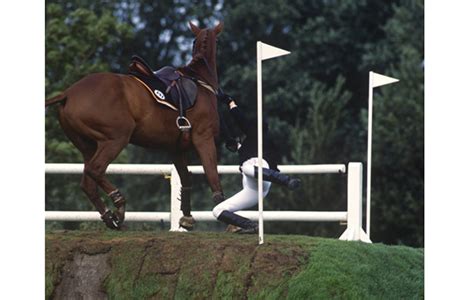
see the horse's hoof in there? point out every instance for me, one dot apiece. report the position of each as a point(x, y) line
point(187, 222)
point(112, 224)
point(119, 213)
point(111, 220)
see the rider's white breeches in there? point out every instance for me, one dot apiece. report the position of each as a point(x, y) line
point(248, 196)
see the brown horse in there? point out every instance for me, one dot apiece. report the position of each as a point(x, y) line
point(103, 112)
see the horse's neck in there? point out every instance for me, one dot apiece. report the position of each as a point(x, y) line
point(206, 71)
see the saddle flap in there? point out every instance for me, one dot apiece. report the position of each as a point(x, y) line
point(189, 91)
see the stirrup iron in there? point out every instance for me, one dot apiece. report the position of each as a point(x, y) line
point(185, 127)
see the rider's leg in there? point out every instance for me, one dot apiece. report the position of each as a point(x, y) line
point(246, 198)
point(272, 175)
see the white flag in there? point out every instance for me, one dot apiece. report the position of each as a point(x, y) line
point(271, 52)
point(378, 80)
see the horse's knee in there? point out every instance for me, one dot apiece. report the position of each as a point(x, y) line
point(88, 186)
point(95, 171)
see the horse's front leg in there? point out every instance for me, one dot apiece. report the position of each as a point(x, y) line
point(180, 162)
point(207, 152)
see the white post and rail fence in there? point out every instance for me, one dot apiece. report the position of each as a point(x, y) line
point(353, 215)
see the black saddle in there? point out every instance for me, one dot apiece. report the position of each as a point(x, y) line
point(166, 84)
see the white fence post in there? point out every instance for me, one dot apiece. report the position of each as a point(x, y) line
point(354, 231)
point(175, 204)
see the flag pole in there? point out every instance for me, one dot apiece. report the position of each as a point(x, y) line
point(264, 51)
point(369, 155)
point(260, 142)
point(375, 80)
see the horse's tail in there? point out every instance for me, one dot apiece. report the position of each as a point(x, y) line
point(59, 98)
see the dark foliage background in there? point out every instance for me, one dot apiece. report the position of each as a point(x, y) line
point(315, 98)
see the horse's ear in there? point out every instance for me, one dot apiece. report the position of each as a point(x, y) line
point(196, 30)
point(219, 27)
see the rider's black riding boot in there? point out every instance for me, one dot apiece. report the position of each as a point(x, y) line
point(247, 225)
point(276, 177)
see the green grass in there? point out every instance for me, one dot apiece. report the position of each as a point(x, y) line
point(163, 265)
point(350, 270)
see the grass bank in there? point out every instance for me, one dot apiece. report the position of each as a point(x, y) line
point(146, 265)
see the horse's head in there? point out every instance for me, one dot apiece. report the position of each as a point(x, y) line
point(204, 52)
point(205, 40)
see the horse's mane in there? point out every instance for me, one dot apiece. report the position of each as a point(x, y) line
point(198, 57)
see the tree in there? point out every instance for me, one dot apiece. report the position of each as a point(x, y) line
point(333, 41)
point(76, 45)
point(398, 149)
point(316, 139)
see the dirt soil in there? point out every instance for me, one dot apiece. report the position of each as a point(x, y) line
point(163, 265)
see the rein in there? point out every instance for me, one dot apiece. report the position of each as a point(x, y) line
point(207, 86)
point(212, 75)
point(201, 81)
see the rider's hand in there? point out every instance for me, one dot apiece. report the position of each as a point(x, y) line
point(232, 145)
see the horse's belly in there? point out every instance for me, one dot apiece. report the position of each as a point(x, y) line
point(144, 141)
point(161, 139)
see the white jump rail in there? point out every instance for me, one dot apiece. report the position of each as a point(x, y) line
point(353, 216)
point(149, 169)
point(142, 216)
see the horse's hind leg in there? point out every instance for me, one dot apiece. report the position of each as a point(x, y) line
point(87, 148)
point(106, 152)
point(181, 164)
point(89, 187)
point(88, 184)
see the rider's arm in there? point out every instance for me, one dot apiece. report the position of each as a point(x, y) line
point(235, 112)
point(239, 117)
point(225, 133)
